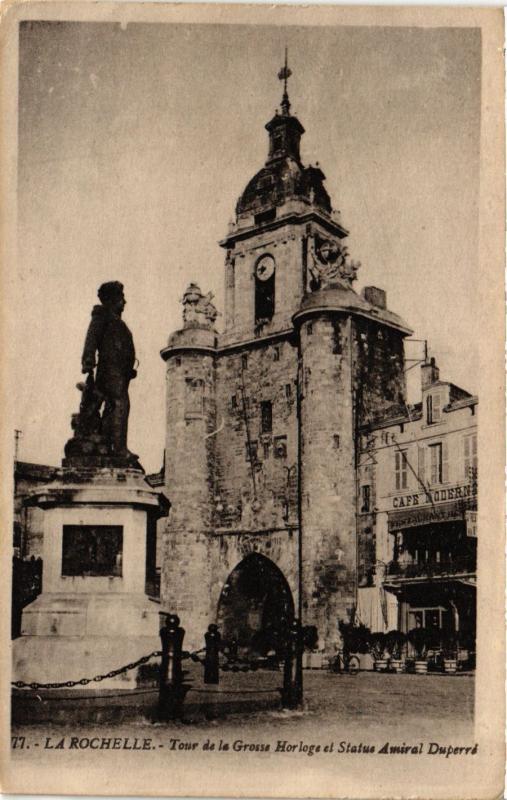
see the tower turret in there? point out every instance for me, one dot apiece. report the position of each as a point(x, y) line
point(190, 357)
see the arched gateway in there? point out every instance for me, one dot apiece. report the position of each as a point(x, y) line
point(255, 605)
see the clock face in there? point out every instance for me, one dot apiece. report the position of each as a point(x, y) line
point(265, 268)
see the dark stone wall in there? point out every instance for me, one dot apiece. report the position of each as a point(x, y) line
point(247, 379)
point(379, 369)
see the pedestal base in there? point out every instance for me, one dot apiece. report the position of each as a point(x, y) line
point(69, 637)
point(93, 615)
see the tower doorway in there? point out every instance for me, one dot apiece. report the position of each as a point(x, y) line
point(256, 606)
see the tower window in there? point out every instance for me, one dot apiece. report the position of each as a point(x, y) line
point(234, 401)
point(265, 216)
point(244, 361)
point(309, 329)
point(276, 354)
point(288, 391)
point(266, 416)
point(366, 499)
point(264, 289)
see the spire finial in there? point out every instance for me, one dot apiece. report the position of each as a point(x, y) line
point(284, 75)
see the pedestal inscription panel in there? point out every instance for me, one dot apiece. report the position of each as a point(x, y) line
point(92, 550)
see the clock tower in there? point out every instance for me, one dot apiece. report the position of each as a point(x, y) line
point(263, 418)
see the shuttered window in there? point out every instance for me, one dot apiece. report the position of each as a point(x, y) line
point(469, 455)
point(433, 408)
point(400, 469)
point(439, 465)
point(421, 463)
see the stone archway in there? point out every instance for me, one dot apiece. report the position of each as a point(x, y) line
point(255, 605)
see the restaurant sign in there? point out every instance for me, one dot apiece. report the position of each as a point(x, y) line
point(412, 518)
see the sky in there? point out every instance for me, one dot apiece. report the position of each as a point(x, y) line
point(135, 143)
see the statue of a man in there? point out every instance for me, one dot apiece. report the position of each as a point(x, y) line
point(109, 338)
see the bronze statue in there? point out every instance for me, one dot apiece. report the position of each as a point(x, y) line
point(109, 347)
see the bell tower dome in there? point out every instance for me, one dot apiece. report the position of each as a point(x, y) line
point(282, 208)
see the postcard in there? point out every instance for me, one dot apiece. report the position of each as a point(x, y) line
point(252, 296)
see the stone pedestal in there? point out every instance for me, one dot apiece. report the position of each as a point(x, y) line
point(93, 615)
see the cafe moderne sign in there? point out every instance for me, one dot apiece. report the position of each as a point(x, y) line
point(432, 496)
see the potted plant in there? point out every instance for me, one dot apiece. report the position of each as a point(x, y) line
point(418, 638)
point(450, 653)
point(395, 642)
point(377, 649)
point(355, 641)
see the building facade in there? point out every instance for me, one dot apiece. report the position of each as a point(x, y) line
point(417, 508)
point(27, 534)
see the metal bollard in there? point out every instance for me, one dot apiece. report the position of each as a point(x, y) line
point(213, 641)
point(172, 690)
point(292, 692)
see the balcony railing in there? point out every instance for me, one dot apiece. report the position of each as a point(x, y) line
point(429, 569)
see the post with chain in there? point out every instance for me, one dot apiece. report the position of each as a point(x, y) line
point(172, 690)
point(292, 692)
point(213, 641)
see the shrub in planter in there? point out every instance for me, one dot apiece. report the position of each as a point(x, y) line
point(355, 638)
point(418, 638)
point(395, 642)
point(378, 649)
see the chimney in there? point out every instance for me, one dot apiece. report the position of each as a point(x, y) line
point(374, 296)
point(430, 374)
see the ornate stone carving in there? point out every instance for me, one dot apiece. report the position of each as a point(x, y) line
point(330, 265)
point(198, 309)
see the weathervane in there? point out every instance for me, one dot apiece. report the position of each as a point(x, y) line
point(284, 75)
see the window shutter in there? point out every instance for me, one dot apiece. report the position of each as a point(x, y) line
point(445, 462)
point(421, 452)
point(436, 408)
point(429, 409)
point(466, 456)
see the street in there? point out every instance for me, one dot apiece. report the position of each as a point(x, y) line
point(363, 710)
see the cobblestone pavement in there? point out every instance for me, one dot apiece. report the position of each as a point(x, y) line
point(364, 708)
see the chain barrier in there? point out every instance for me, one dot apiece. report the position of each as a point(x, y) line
point(112, 674)
point(85, 681)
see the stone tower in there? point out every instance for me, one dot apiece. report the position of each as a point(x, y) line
point(263, 418)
